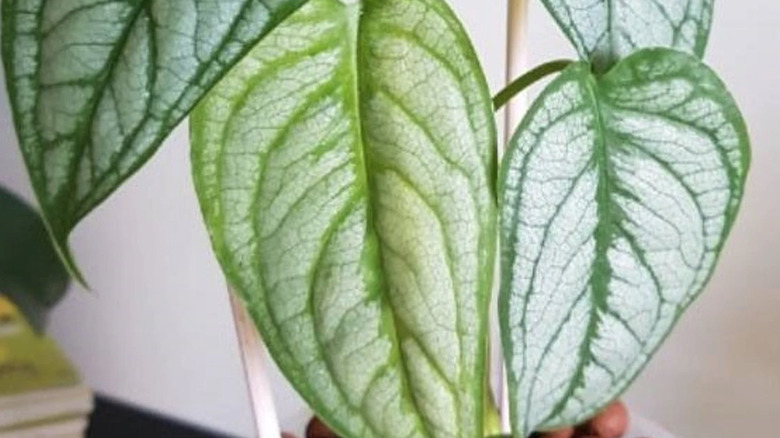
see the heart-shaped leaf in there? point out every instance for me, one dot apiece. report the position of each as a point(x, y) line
point(96, 85)
point(617, 194)
point(605, 31)
point(344, 169)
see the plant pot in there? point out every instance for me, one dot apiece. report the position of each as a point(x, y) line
point(640, 427)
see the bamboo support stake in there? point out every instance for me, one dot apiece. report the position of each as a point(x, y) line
point(516, 61)
point(254, 357)
point(516, 65)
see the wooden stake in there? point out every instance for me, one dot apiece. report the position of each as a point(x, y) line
point(253, 356)
point(516, 65)
point(516, 60)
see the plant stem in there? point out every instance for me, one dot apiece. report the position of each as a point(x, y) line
point(521, 83)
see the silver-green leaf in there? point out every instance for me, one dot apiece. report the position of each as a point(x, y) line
point(605, 31)
point(96, 85)
point(344, 169)
point(616, 197)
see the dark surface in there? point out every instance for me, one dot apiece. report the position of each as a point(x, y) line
point(113, 419)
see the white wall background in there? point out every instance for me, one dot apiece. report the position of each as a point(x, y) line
point(156, 329)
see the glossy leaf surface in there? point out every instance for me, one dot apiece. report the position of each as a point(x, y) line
point(96, 85)
point(617, 195)
point(344, 169)
point(605, 31)
point(31, 274)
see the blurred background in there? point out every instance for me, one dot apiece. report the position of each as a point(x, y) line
point(156, 330)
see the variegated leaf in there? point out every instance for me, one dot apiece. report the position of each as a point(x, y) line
point(344, 169)
point(605, 31)
point(97, 85)
point(617, 195)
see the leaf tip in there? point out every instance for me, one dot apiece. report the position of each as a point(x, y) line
point(60, 243)
point(63, 250)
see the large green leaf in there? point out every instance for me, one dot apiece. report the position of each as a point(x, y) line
point(31, 274)
point(344, 169)
point(605, 31)
point(616, 195)
point(96, 85)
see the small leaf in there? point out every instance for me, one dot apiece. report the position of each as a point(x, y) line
point(617, 195)
point(345, 172)
point(96, 85)
point(31, 274)
point(605, 31)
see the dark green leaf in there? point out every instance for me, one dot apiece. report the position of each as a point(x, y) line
point(31, 274)
point(344, 169)
point(617, 194)
point(96, 85)
point(605, 31)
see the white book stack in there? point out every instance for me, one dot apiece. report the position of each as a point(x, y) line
point(41, 394)
point(59, 412)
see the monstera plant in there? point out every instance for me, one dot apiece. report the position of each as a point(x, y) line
point(344, 155)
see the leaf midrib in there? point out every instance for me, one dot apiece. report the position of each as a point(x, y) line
point(361, 86)
point(604, 235)
point(353, 12)
point(102, 83)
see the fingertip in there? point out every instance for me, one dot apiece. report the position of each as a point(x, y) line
point(612, 422)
